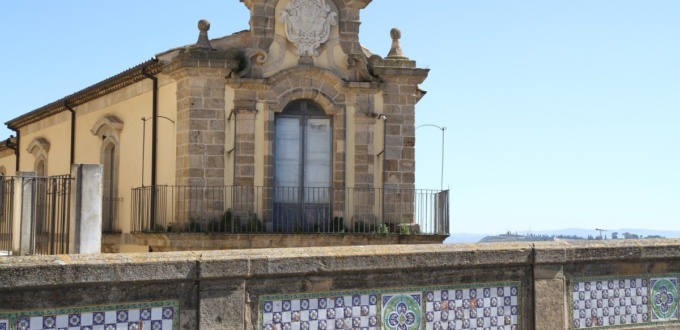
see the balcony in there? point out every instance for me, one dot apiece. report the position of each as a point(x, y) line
point(283, 210)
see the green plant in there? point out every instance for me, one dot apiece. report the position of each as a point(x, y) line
point(254, 225)
point(405, 229)
point(159, 228)
point(362, 227)
point(383, 230)
point(230, 223)
point(194, 226)
point(338, 225)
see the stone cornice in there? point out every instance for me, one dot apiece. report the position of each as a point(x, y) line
point(110, 85)
point(24, 272)
point(228, 60)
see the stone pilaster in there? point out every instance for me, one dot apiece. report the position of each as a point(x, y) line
point(201, 122)
point(363, 197)
point(400, 80)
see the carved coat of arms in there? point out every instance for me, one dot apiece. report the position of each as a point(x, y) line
point(308, 24)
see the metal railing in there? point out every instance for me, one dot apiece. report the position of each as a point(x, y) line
point(239, 209)
point(6, 214)
point(51, 207)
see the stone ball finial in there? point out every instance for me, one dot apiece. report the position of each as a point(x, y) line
point(203, 40)
point(204, 25)
point(395, 34)
point(395, 50)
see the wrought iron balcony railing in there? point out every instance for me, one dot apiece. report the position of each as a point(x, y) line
point(239, 209)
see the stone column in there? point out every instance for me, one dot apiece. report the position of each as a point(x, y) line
point(22, 224)
point(85, 234)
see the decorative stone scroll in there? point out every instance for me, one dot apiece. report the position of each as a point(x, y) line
point(308, 24)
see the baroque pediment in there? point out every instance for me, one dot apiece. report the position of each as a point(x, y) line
point(308, 24)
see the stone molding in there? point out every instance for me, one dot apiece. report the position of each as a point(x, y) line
point(107, 124)
point(107, 86)
point(28, 271)
point(38, 146)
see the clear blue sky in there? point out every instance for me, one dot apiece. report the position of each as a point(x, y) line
point(558, 113)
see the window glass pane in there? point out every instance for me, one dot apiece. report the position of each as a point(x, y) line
point(317, 171)
point(287, 159)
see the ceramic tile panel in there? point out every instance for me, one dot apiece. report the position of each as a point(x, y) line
point(491, 307)
point(496, 306)
point(620, 302)
point(132, 316)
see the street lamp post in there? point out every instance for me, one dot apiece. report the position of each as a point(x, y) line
point(441, 184)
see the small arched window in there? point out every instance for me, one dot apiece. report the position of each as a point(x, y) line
point(108, 129)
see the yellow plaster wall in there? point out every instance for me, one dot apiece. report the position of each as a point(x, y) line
point(129, 105)
point(349, 147)
point(7, 162)
point(167, 137)
point(260, 150)
point(58, 134)
point(229, 137)
point(379, 139)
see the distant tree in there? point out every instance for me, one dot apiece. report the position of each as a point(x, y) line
point(615, 235)
point(590, 237)
point(655, 236)
point(628, 235)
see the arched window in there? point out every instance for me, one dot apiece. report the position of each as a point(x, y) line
point(109, 220)
point(302, 167)
point(39, 148)
point(108, 130)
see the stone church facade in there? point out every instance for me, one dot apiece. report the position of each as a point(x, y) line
point(292, 110)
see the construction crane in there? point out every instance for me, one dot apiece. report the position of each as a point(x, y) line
point(601, 230)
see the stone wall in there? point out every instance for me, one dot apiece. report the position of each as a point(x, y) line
point(554, 285)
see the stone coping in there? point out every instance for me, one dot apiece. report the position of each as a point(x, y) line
point(36, 271)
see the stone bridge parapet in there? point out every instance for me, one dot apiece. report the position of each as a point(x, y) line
point(629, 284)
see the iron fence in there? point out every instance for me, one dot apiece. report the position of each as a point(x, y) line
point(51, 207)
point(6, 214)
point(239, 209)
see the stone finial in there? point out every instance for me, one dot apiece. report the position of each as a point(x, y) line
point(395, 51)
point(203, 41)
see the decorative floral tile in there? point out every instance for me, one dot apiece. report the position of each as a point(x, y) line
point(664, 299)
point(133, 316)
point(402, 311)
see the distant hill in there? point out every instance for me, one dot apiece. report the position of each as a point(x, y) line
point(608, 233)
point(474, 238)
point(464, 238)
